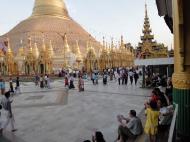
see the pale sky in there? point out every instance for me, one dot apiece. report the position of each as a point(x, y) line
point(109, 18)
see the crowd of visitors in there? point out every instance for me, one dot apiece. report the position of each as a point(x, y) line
point(155, 80)
point(70, 78)
point(158, 108)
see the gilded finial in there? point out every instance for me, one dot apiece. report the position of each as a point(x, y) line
point(67, 48)
point(103, 41)
point(30, 45)
point(50, 49)
point(119, 44)
point(43, 44)
point(21, 49)
point(9, 50)
point(35, 51)
point(112, 44)
point(79, 56)
point(122, 42)
point(146, 13)
point(77, 48)
point(74, 48)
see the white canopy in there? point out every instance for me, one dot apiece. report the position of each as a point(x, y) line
point(155, 61)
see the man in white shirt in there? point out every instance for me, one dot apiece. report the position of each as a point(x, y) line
point(6, 104)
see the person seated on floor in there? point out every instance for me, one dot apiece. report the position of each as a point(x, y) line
point(166, 115)
point(129, 127)
point(154, 96)
point(87, 141)
point(98, 137)
point(162, 97)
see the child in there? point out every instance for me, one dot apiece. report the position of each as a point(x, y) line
point(81, 84)
point(151, 126)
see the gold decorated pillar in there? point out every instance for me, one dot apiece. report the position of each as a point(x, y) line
point(181, 76)
point(9, 60)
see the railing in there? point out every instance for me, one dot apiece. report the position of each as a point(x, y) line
point(172, 132)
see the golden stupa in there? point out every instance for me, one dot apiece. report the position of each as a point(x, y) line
point(50, 19)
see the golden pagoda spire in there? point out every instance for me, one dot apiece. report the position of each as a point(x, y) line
point(66, 45)
point(122, 42)
point(50, 49)
point(9, 50)
point(106, 48)
point(77, 47)
point(146, 13)
point(112, 44)
point(147, 31)
point(74, 49)
point(116, 47)
point(78, 53)
point(119, 45)
point(50, 8)
point(30, 46)
point(92, 48)
point(36, 51)
point(43, 44)
point(21, 49)
point(109, 47)
point(2, 54)
point(104, 42)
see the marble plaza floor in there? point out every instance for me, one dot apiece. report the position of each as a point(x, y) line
point(49, 115)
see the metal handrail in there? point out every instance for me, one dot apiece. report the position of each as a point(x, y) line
point(172, 132)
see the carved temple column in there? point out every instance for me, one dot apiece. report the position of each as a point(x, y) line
point(181, 76)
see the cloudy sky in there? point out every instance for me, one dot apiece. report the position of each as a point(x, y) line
point(109, 18)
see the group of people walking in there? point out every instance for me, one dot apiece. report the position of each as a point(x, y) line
point(14, 86)
point(124, 74)
point(42, 81)
point(120, 74)
point(69, 81)
point(94, 78)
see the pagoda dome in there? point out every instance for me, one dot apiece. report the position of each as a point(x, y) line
point(51, 19)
